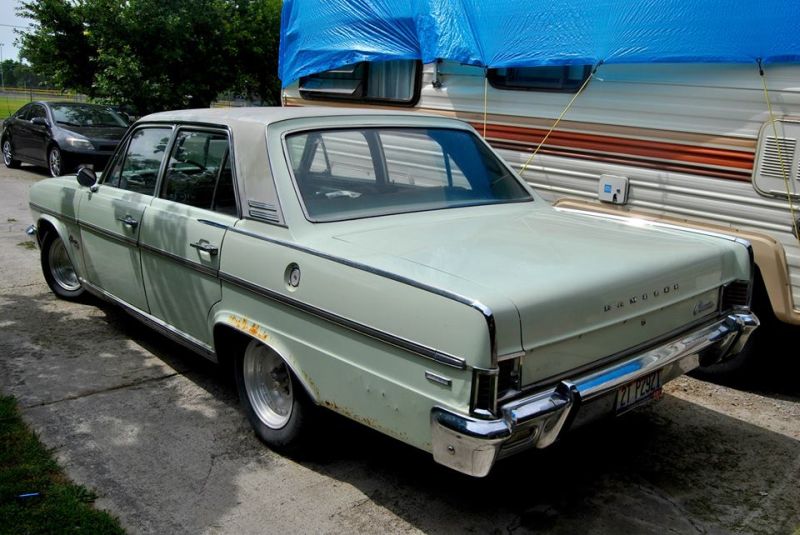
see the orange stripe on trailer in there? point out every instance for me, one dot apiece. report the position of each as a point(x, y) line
point(623, 146)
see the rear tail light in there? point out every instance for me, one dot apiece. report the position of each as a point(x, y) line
point(484, 393)
point(736, 295)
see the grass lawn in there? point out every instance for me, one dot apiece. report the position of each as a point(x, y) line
point(26, 467)
point(9, 105)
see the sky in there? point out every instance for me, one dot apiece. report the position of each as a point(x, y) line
point(8, 17)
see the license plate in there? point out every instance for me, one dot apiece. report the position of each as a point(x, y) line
point(639, 391)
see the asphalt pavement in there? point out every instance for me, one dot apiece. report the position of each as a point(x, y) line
point(157, 432)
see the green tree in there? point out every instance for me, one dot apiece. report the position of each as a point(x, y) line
point(155, 54)
point(17, 74)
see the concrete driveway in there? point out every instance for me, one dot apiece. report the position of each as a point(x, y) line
point(157, 432)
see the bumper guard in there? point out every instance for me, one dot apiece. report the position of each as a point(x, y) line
point(471, 445)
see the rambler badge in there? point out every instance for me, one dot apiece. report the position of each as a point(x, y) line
point(654, 294)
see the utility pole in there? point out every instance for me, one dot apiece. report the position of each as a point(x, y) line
point(2, 77)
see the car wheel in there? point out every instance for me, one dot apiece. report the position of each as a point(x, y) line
point(8, 155)
point(55, 161)
point(58, 269)
point(275, 402)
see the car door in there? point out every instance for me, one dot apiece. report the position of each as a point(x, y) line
point(12, 130)
point(24, 138)
point(182, 234)
point(36, 135)
point(111, 218)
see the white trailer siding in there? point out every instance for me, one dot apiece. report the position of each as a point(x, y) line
point(684, 135)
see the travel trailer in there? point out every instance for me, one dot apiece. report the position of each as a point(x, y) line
point(708, 144)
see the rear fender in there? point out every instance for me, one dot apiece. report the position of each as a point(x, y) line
point(259, 331)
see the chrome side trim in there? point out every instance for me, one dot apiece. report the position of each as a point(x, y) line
point(42, 209)
point(162, 327)
point(485, 311)
point(107, 234)
point(656, 224)
point(428, 352)
point(200, 268)
point(471, 445)
point(438, 379)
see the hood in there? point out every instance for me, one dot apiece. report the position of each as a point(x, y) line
point(566, 274)
point(99, 133)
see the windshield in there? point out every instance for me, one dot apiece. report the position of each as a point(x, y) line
point(86, 115)
point(365, 172)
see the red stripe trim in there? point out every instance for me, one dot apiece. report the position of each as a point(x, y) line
point(637, 149)
point(743, 176)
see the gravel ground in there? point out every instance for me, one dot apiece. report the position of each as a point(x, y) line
point(157, 432)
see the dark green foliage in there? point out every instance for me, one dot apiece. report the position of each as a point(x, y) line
point(25, 467)
point(155, 54)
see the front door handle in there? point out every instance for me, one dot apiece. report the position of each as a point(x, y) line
point(128, 221)
point(205, 247)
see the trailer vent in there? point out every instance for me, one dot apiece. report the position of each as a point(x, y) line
point(768, 176)
point(771, 157)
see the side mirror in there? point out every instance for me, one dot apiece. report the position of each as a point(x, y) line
point(41, 121)
point(87, 178)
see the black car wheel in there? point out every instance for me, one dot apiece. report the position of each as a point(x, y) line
point(55, 161)
point(8, 155)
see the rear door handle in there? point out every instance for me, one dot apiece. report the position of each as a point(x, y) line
point(205, 247)
point(128, 221)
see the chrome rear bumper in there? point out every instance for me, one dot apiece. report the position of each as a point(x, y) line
point(471, 445)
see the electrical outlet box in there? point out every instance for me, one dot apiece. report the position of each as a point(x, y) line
point(613, 189)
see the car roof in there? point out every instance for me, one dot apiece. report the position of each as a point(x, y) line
point(267, 115)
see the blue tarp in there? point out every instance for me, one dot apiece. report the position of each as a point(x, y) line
point(317, 35)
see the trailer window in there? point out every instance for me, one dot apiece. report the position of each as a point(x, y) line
point(392, 82)
point(566, 79)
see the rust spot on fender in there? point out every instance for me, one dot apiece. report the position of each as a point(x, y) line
point(249, 327)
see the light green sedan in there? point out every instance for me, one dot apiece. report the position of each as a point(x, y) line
point(389, 267)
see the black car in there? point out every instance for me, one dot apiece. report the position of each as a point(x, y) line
point(61, 135)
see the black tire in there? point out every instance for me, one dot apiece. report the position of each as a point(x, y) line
point(56, 267)
point(291, 433)
point(8, 155)
point(56, 164)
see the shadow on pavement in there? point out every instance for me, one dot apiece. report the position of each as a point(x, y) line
point(175, 456)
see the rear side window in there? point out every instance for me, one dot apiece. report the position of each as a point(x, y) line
point(566, 78)
point(137, 169)
point(199, 172)
point(390, 82)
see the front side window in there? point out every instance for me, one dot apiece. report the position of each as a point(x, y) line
point(565, 78)
point(37, 110)
point(137, 169)
point(393, 82)
point(366, 172)
point(199, 172)
point(23, 112)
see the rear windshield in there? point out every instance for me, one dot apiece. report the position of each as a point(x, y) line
point(86, 115)
point(366, 172)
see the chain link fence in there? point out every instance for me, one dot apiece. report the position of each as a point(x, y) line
point(13, 98)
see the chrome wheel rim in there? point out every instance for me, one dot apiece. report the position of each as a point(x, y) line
point(268, 383)
point(55, 162)
point(61, 267)
point(7, 152)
